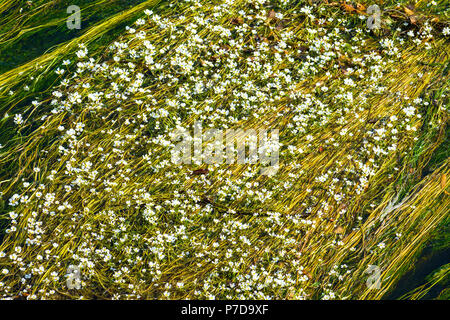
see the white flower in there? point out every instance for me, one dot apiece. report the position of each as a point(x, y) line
point(18, 119)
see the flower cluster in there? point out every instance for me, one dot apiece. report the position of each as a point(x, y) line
point(104, 195)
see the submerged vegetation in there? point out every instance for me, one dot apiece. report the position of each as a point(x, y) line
point(87, 133)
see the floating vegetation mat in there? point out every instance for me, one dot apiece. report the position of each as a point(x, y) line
point(334, 180)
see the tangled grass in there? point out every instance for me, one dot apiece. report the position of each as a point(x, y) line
point(87, 177)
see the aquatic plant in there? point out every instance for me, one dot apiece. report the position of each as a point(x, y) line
point(88, 179)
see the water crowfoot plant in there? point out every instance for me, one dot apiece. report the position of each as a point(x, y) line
point(97, 195)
